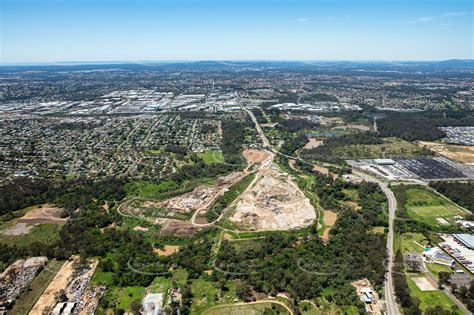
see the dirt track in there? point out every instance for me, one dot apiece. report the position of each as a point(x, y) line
point(60, 281)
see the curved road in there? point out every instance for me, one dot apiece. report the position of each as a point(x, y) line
point(390, 300)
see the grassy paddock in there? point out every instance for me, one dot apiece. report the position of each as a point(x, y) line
point(431, 299)
point(212, 156)
point(425, 206)
point(251, 309)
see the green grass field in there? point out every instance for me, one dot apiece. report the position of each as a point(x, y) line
point(424, 205)
point(435, 269)
point(392, 147)
point(42, 233)
point(146, 189)
point(410, 242)
point(431, 299)
point(28, 299)
point(252, 309)
point(206, 294)
point(212, 156)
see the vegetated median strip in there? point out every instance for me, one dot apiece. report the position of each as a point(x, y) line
point(215, 211)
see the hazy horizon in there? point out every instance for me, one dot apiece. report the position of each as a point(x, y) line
point(39, 31)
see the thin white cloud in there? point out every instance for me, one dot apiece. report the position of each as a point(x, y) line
point(421, 20)
point(301, 20)
point(455, 13)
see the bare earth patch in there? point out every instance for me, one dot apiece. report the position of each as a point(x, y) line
point(197, 198)
point(423, 284)
point(330, 218)
point(140, 229)
point(354, 205)
point(201, 220)
point(313, 143)
point(273, 202)
point(45, 214)
point(325, 171)
point(18, 229)
point(60, 281)
point(459, 153)
point(179, 228)
point(321, 169)
point(255, 156)
point(354, 126)
point(167, 250)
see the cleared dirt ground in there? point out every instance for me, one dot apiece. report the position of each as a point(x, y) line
point(18, 229)
point(255, 156)
point(179, 228)
point(329, 220)
point(44, 214)
point(60, 281)
point(197, 198)
point(167, 250)
point(460, 153)
point(313, 143)
point(423, 284)
point(273, 202)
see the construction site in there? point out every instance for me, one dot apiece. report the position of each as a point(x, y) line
point(199, 197)
point(273, 202)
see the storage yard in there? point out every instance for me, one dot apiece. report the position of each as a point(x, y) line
point(72, 279)
point(459, 135)
point(461, 248)
point(18, 276)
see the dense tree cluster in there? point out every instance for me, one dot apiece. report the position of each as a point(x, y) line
point(328, 151)
point(293, 143)
point(295, 124)
point(422, 125)
point(233, 137)
point(460, 193)
point(400, 284)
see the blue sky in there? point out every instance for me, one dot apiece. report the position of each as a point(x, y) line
point(151, 30)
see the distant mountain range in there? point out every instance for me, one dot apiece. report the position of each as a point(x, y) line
point(396, 66)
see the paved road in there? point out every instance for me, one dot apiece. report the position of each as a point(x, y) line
point(390, 300)
point(265, 141)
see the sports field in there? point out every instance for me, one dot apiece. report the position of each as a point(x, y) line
point(424, 205)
